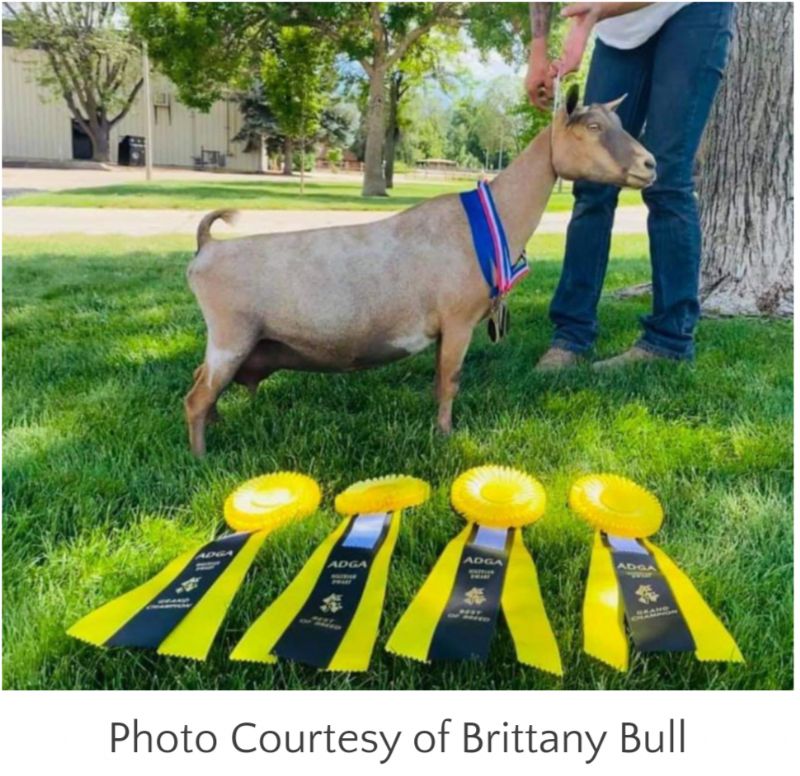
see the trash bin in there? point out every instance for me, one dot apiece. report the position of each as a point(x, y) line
point(131, 151)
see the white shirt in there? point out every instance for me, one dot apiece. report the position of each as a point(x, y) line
point(630, 30)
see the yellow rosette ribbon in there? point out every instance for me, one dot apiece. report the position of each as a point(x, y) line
point(328, 617)
point(485, 568)
point(179, 611)
point(631, 580)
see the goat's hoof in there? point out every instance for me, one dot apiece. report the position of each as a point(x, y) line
point(445, 429)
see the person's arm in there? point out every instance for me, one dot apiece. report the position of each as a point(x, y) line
point(584, 16)
point(539, 81)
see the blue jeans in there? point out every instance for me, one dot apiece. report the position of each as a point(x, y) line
point(670, 80)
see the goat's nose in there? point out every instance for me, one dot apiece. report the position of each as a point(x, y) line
point(650, 163)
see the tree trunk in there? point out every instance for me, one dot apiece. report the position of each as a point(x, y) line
point(302, 165)
point(392, 130)
point(99, 134)
point(745, 182)
point(288, 156)
point(374, 181)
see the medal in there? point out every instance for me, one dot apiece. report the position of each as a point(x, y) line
point(499, 320)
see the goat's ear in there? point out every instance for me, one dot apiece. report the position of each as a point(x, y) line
point(614, 104)
point(573, 96)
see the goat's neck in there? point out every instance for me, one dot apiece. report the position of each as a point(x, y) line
point(521, 191)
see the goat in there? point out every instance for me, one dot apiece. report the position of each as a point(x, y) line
point(353, 297)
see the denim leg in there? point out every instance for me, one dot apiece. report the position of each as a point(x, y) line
point(690, 54)
point(573, 310)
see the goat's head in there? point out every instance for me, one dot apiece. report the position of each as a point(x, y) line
point(589, 143)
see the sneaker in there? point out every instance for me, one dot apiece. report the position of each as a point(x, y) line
point(556, 359)
point(634, 355)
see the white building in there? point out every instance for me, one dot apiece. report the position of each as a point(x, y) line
point(38, 127)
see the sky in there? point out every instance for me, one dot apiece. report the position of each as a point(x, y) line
point(493, 67)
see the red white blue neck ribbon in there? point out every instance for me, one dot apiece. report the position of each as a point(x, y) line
point(489, 239)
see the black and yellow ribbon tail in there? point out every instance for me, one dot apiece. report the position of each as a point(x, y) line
point(712, 640)
point(525, 614)
point(454, 614)
point(413, 634)
point(329, 615)
point(180, 610)
point(632, 582)
point(485, 569)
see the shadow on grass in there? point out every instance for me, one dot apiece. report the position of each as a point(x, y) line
point(246, 194)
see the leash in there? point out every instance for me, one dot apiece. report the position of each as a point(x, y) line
point(556, 95)
point(557, 99)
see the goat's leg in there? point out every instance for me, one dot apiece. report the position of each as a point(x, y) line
point(213, 413)
point(223, 359)
point(454, 341)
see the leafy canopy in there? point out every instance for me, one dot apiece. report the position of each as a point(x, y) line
point(298, 76)
point(92, 60)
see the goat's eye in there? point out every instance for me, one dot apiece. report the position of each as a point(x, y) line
point(594, 127)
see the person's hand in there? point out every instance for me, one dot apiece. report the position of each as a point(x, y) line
point(539, 79)
point(584, 16)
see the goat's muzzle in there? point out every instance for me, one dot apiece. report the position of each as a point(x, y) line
point(642, 173)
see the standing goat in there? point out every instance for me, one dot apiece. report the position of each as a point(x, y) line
point(346, 298)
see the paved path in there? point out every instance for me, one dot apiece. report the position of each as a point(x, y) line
point(54, 179)
point(30, 221)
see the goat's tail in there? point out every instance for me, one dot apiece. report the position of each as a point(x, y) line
point(204, 229)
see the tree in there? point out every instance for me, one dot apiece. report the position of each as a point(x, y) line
point(462, 143)
point(297, 76)
point(501, 27)
point(259, 124)
point(426, 61)
point(260, 129)
point(91, 61)
point(338, 123)
point(424, 125)
point(378, 36)
point(498, 125)
point(745, 182)
point(398, 87)
point(206, 48)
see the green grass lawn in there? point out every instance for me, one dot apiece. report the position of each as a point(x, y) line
point(100, 339)
point(264, 195)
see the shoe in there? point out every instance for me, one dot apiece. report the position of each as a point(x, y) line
point(634, 355)
point(556, 359)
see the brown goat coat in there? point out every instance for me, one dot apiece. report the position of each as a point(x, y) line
point(345, 298)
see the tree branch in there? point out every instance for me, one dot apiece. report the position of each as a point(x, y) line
point(128, 104)
point(441, 13)
point(76, 114)
point(10, 8)
point(364, 62)
point(377, 26)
